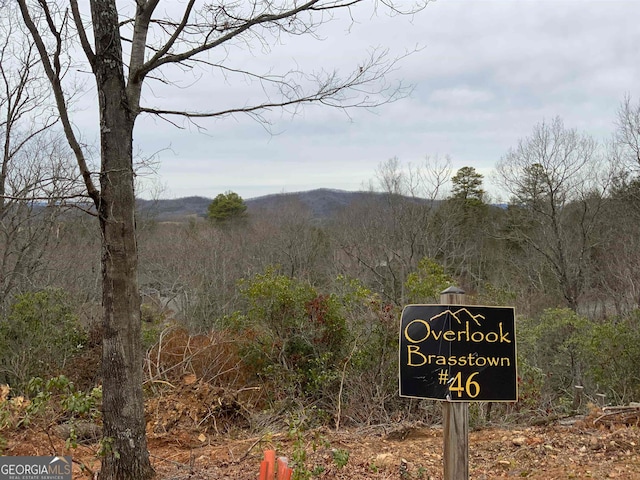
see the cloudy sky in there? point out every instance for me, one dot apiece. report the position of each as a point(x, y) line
point(484, 74)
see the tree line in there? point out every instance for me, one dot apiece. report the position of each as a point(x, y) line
point(320, 298)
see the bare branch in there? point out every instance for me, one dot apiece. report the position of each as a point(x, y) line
point(628, 132)
point(139, 70)
point(363, 88)
point(84, 41)
point(234, 25)
point(56, 85)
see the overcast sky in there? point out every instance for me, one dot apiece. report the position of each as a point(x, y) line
point(486, 72)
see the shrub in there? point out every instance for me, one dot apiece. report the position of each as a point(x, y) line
point(553, 346)
point(613, 351)
point(57, 404)
point(425, 284)
point(37, 338)
point(299, 335)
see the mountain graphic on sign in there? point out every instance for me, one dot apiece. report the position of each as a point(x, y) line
point(457, 314)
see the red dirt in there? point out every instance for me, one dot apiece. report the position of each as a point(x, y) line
point(582, 450)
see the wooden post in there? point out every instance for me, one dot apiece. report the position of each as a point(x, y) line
point(455, 416)
point(578, 391)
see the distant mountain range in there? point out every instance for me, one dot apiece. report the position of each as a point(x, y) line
point(322, 203)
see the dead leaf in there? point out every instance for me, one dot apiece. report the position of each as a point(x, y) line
point(189, 379)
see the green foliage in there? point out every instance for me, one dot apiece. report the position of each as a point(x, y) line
point(56, 400)
point(337, 350)
point(299, 453)
point(613, 350)
point(276, 300)
point(340, 457)
point(351, 291)
point(38, 336)
point(106, 448)
point(226, 206)
point(60, 395)
point(467, 185)
point(300, 334)
point(425, 284)
point(554, 344)
point(154, 321)
point(531, 381)
point(490, 294)
point(306, 442)
point(373, 373)
point(563, 349)
point(5, 414)
point(535, 188)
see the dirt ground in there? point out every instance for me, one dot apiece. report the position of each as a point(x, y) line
point(197, 431)
point(580, 450)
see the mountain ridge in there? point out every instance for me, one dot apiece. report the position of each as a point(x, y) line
point(321, 202)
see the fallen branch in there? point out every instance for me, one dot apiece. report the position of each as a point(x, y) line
point(627, 412)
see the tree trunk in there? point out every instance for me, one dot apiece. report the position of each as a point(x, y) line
point(123, 403)
point(126, 455)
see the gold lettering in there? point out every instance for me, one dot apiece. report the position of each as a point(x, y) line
point(464, 335)
point(503, 336)
point(493, 361)
point(493, 339)
point(426, 326)
point(449, 335)
point(477, 337)
point(457, 335)
point(415, 350)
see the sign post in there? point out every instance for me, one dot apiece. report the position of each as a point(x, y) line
point(455, 417)
point(457, 354)
point(455, 432)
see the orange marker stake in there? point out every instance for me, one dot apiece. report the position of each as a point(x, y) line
point(263, 470)
point(282, 467)
point(270, 458)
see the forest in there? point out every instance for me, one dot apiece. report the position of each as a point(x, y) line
point(297, 316)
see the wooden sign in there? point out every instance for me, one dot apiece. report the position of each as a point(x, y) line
point(458, 353)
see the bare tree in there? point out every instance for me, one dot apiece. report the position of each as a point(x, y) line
point(383, 239)
point(557, 180)
point(628, 133)
point(35, 173)
point(287, 235)
point(625, 152)
point(620, 261)
point(156, 46)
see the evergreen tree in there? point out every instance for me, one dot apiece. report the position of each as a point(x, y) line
point(467, 185)
point(226, 206)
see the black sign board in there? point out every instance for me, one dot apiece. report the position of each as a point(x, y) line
point(458, 353)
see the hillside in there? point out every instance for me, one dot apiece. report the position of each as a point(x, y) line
point(322, 203)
